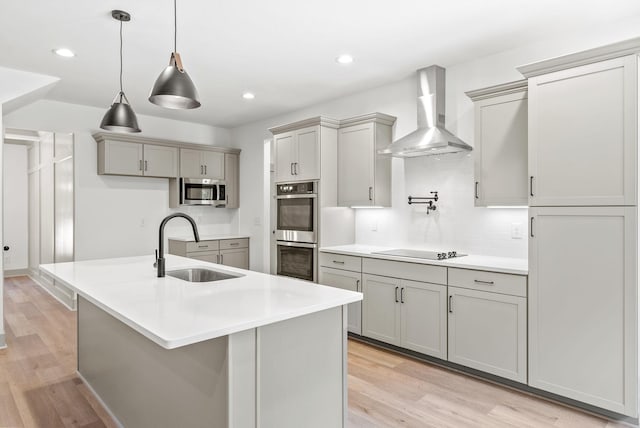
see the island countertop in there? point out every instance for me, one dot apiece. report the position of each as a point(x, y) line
point(174, 313)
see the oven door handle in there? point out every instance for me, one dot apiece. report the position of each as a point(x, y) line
point(306, 196)
point(297, 244)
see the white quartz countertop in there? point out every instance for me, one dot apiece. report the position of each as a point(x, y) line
point(173, 313)
point(207, 237)
point(472, 261)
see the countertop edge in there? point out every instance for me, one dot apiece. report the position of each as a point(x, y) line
point(458, 263)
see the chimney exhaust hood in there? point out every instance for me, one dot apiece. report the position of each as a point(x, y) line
point(431, 137)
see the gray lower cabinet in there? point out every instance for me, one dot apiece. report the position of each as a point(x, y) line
point(405, 313)
point(346, 280)
point(227, 252)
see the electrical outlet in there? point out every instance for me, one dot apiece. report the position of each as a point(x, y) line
point(516, 231)
point(374, 226)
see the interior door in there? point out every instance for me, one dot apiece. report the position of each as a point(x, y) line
point(214, 165)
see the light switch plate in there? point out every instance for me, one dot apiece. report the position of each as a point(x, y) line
point(517, 231)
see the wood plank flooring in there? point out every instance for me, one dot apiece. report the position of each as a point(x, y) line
point(39, 386)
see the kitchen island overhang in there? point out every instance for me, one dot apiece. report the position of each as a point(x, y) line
point(253, 351)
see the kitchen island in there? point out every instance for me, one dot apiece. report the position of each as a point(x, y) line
point(254, 350)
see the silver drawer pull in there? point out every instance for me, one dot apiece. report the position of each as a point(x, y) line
point(234, 244)
point(203, 246)
point(338, 262)
point(477, 281)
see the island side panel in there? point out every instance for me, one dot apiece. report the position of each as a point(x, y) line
point(145, 385)
point(300, 369)
point(242, 379)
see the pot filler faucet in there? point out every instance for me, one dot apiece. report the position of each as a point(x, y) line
point(160, 253)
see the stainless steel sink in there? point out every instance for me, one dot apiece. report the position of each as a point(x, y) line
point(202, 275)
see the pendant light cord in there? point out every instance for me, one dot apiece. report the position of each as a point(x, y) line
point(121, 90)
point(175, 26)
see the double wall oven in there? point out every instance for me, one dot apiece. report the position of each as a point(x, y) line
point(297, 230)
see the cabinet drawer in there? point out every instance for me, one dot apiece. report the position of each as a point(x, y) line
point(203, 246)
point(404, 270)
point(514, 285)
point(228, 244)
point(339, 261)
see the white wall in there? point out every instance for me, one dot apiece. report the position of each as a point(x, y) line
point(456, 224)
point(119, 216)
point(15, 207)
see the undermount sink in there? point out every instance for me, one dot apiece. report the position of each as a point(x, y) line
point(202, 275)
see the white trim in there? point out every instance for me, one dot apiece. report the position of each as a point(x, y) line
point(9, 273)
point(111, 136)
point(3, 341)
point(313, 121)
point(40, 282)
point(498, 90)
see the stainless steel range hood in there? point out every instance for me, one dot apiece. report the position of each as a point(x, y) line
point(431, 137)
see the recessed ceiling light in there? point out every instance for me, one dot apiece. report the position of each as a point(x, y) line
point(67, 53)
point(344, 59)
point(248, 95)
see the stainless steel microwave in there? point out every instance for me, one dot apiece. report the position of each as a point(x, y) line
point(203, 191)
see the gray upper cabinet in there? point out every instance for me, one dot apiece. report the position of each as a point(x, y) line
point(298, 155)
point(364, 177)
point(126, 158)
point(160, 161)
point(232, 178)
point(201, 164)
point(583, 135)
point(500, 145)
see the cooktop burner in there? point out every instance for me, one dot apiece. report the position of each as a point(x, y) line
point(422, 254)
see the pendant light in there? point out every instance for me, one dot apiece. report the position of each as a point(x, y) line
point(174, 88)
point(120, 116)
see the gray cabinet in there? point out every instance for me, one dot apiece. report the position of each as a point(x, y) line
point(364, 177)
point(297, 154)
point(128, 158)
point(228, 252)
point(345, 280)
point(232, 178)
point(488, 322)
point(202, 164)
point(500, 145)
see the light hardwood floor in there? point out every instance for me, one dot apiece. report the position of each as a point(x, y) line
point(39, 386)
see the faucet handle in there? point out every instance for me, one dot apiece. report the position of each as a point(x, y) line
point(155, 265)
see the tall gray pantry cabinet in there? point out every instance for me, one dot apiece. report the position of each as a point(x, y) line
point(583, 258)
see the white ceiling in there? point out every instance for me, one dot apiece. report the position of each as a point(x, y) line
point(282, 50)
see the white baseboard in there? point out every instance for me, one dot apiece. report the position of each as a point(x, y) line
point(3, 341)
point(8, 273)
point(41, 283)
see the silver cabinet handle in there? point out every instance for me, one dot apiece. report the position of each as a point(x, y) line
point(357, 285)
point(338, 262)
point(203, 246)
point(451, 304)
point(531, 227)
point(140, 165)
point(218, 258)
point(221, 259)
point(291, 168)
point(370, 193)
point(531, 185)
point(477, 281)
point(295, 168)
point(402, 295)
point(477, 182)
point(201, 170)
point(146, 166)
point(397, 294)
point(205, 170)
point(234, 244)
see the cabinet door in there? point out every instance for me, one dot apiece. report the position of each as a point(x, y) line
point(160, 161)
point(583, 135)
point(346, 280)
point(213, 165)
point(424, 318)
point(583, 305)
point(191, 165)
point(205, 256)
point(232, 178)
point(380, 308)
point(356, 165)
point(120, 158)
point(235, 258)
point(284, 153)
point(488, 332)
point(307, 161)
point(501, 151)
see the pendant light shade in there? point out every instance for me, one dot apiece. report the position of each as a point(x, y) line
point(120, 117)
point(174, 88)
